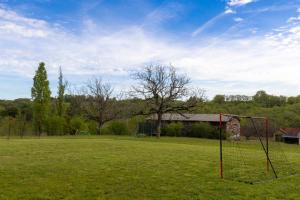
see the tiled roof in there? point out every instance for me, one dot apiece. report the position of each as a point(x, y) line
point(192, 117)
point(290, 131)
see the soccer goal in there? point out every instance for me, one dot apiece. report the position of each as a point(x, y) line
point(249, 152)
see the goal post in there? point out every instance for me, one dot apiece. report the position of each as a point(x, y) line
point(246, 155)
point(221, 146)
point(266, 146)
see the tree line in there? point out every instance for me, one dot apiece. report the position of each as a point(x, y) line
point(158, 89)
point(96, 108)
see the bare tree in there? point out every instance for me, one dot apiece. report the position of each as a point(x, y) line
point(162, 88)
point(197, 95)
point(101, 105)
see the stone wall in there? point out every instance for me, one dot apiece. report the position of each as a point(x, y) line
point(233, 127)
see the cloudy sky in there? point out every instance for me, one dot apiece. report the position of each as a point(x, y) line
point(224, 46)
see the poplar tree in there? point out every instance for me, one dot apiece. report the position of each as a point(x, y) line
point(40, 93)
point(61, 94)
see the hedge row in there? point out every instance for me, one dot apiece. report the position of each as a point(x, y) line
point(200, 130)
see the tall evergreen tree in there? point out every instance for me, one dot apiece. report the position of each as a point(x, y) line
point(40, 93)
point(61, 94)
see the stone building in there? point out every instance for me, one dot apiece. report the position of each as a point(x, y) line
point(230, 123)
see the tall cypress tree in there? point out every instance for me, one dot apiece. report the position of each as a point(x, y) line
point(40, 93)
point(61, 94)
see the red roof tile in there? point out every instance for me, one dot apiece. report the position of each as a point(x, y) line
point(290, 131)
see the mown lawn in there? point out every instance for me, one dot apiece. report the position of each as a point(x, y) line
point(127, 168)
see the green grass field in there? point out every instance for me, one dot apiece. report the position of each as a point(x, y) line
point(110, 167)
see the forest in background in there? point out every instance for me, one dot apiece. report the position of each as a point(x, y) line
point(96, 109)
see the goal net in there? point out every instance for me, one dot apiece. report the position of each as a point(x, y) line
point(252, 155)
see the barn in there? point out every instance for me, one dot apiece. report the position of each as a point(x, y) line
point(229, 123)
point(290, 135)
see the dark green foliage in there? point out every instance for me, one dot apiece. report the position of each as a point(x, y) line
point(132, 124)
point(24, 108)
point(266, 100)
point(77, 125)
point(21, 124)
point(220, 99)
point(92, 127)
point(61, 107)
point(203, 130)
point(282, 112)
point(118, 128)
point(55, 125)
point(40, 91)
point(293, 100)
point(8, 127)
point(40, 94)
point(11, 111)
point(19, 111)
point(75, 104)
point(172, 129)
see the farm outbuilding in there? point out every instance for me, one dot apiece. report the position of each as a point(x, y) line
point(291, 135)
point(229, 123)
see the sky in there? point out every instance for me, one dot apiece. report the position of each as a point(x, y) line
point(224, 46)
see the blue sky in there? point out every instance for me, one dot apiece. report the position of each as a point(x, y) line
point(225, 46)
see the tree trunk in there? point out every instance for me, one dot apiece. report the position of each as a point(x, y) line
point(100, 124)
point(158, 128)
point(99, 129)
point(23, 129)
point(9, 128)
point(39, 130)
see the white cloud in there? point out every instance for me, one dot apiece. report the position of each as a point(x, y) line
point(294, 19)
point(229, 11)
point(12, 28)
point(238, 19)
point(243, 65)
point(15, 25)
point(291, 19)
point(239, 2)
point(7, 15)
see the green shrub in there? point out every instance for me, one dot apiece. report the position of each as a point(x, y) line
point(77, 124)
point(92, 127)
point(83, 133)
point(8, 126)
point(172, 129)
point(119, 128)
point(105, 129)
point(132, 124)
point(203, 130)
point(55, 125)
